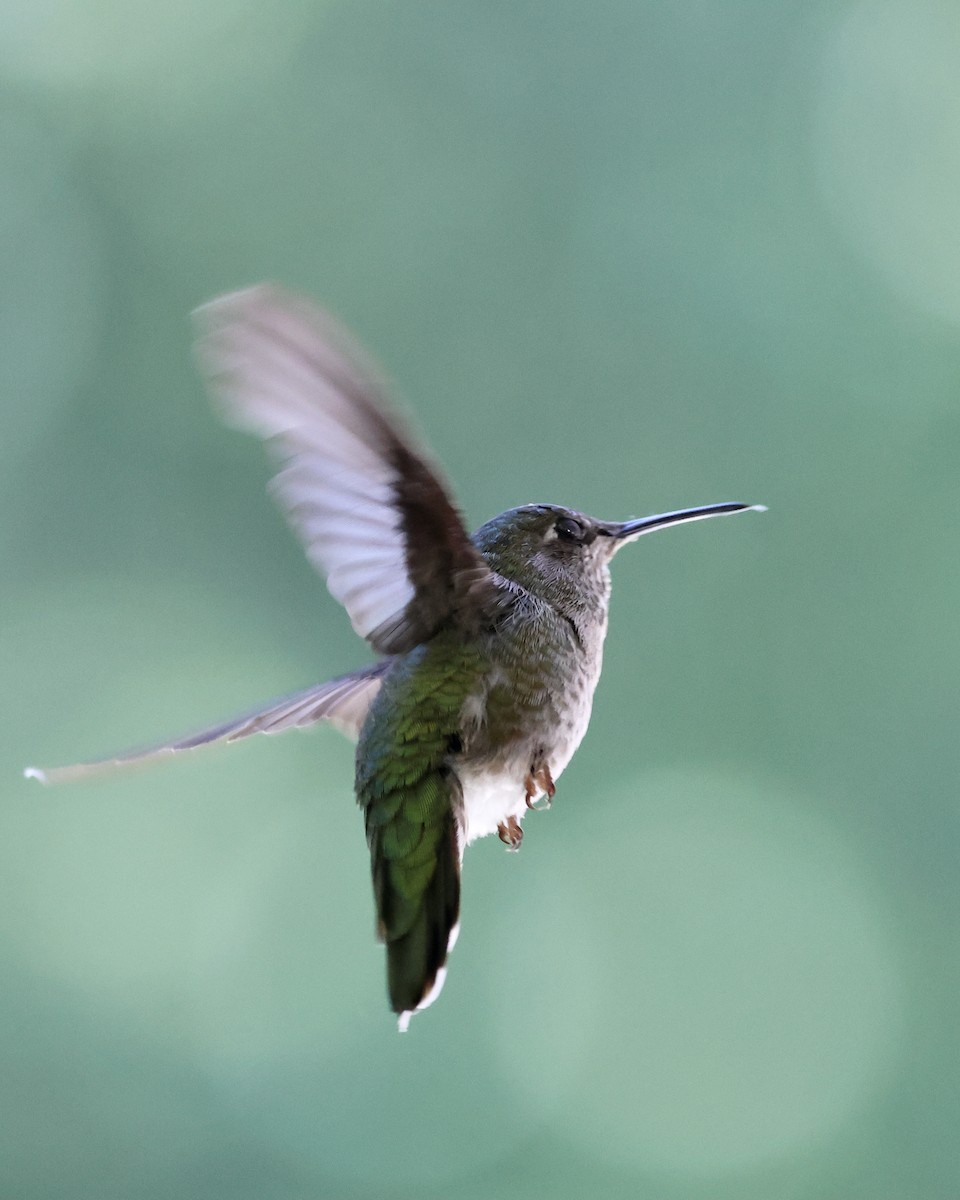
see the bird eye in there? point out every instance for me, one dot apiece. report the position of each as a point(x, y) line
point(569, 530)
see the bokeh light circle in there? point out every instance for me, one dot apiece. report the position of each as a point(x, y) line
point(742, 995)
point(284, 959)
point(150, 61)
point(122, 868)
point(888, 155)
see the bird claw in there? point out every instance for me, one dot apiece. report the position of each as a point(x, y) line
point(540, 780)
point(510, 833)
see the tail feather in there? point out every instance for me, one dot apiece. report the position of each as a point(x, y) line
point(418, 911)
point(416, 960)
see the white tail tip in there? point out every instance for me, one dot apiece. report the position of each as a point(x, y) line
point(35, 773)
point(403, 1022)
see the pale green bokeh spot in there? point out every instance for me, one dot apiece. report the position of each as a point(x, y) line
point(757, 997)
point(283, 960)
point(138, 61)
point(129, 876)
point(886, 121)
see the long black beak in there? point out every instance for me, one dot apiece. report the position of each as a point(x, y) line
point(633, 529)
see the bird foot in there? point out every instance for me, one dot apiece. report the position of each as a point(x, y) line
point(510, 833)
point(539, 780)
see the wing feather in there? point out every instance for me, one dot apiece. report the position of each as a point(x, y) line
point(344, 702)
point(351, 479)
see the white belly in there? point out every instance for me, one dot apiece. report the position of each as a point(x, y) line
point(491, 798)
point(488, 800)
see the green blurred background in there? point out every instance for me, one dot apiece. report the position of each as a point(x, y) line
point(624, 256)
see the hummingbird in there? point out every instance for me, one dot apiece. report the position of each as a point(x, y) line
point(488, 646)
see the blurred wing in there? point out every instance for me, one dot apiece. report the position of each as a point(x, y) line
point(344, 702)
point(374, 516)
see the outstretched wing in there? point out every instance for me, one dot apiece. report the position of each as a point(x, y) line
point(344, 702)
point(373, 514)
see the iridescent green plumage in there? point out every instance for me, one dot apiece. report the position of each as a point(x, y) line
point(410, 794)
